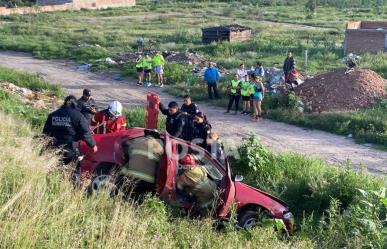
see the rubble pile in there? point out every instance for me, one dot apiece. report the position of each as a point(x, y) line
point(338, 90)
point(37, 99)
point(185, 58)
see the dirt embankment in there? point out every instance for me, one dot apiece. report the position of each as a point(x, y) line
point(337, 90)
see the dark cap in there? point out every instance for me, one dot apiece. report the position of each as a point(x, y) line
point(86, 92)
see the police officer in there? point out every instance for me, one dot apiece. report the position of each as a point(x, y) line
point(67, 126)
point(87, 105)
point(176, 120)
point(189, 107)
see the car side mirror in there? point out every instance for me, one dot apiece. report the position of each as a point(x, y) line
point(238, 178)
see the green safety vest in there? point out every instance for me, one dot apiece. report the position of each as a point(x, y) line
point(234, 85)
point(158, 60)
point(140, 63)
point(147, 63)
point(245, 88)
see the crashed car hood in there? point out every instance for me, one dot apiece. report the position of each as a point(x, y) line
point(239, 187)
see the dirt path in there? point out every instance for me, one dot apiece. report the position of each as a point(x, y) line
point(278, 136)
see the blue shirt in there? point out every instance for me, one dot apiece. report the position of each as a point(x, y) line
point(259, 71)
point(211, 75)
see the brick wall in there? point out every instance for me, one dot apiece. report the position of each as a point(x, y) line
point(73, 5)
point(357, 41)
point(373, 25)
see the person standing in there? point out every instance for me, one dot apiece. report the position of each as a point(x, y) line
point(67, 126)
point(288, 66)
point(110, 120)
point(147, 65)
point(176, 120)
point(242, 72)
point(246, 92)
point(140, 70)
point(188, 107)
point(158, 63)
point(235, 94)
point(258, 95)
point(202, 129)
point(87, 106)
point(211, 76)
point(259, 70)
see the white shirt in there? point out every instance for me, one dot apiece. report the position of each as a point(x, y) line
point(241, 74)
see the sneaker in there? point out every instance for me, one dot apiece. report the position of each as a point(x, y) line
point(243, 112)
point(226, 112)
point(246, 113)
point(162, 85)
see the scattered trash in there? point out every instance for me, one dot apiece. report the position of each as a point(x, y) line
point(109, 60)
point(37, 99)
point(117, 77)
point(84, 67)
point(185, 58)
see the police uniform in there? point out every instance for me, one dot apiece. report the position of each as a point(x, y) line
point(86, 107)
point(191, 109)
point(67, 125)
point(175, 123)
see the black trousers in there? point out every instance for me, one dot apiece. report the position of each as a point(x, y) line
point(234, 98)
point(213, 87)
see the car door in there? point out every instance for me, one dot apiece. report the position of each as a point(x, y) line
point(228, 195)
point(166, 178)
point(216, 172)
point(152, 110)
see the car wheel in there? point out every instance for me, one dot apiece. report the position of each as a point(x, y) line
point(250, 218)
point(101, 183)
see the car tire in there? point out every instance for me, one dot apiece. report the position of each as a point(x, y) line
point(103, 180)
point(250, 218)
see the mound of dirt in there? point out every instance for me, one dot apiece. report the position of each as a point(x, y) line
point(335, 90)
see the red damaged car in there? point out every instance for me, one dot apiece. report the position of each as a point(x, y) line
point(252, 204)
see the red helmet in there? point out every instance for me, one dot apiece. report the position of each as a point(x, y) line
point(188, 159)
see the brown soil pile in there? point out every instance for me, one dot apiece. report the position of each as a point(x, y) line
point(336, 90)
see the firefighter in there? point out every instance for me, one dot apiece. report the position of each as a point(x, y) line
point(67, 126)
point(195, 181)
point(87, 105)
point(110, 120)
point(144, 155)
point(176, 120)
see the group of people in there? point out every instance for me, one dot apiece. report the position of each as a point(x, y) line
point(247, 85)
point(78, 119)
point(190, 124)
point(144, 66)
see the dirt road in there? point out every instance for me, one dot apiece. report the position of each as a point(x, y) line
point(279, 137)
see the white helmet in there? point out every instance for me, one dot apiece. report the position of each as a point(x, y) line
point(115, 108)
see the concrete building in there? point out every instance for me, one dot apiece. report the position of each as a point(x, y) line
point(366, 36)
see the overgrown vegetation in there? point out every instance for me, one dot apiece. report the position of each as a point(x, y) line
point(40, 208)
point(86, 36)
point(334, 207)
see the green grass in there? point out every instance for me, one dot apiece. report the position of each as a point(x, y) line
point(30, 81)
point(40, 208)
point(86, 36)
point(49, 211)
